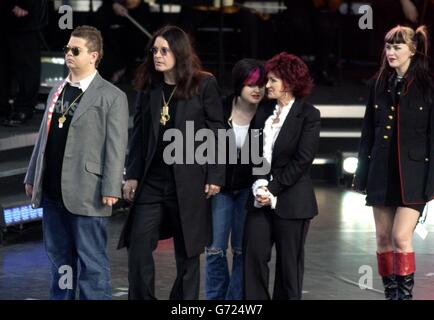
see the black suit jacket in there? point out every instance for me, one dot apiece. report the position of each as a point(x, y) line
point(202, 111)
point(293, 153)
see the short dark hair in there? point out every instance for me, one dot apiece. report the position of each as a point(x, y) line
point(247, 72)
point(293, 72)
point(93, 40)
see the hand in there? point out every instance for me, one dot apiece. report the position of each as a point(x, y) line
point(211, 190)
point(264, 201)
point(129, 189)
point(410, 10)
point(109, 201)
point(356, 188)
point(263, 196)
point(119, 9)
point(29, 190)
point(132, 4)
point(19, 12)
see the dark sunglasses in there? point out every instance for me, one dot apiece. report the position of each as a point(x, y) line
point(75, 51)
point(164, 51)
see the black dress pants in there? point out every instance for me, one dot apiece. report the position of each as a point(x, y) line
point(264, 228)
point(158, 204)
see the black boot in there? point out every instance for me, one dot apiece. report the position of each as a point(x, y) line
point(385, 269)
point(404, 269)
point(405, 286)
point(390, 287)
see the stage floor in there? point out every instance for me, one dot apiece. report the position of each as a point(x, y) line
point(340, 250)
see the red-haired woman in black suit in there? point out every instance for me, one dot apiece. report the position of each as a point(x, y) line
point(283, 200)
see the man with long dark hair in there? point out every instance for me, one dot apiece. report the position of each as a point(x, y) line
point(174, 93)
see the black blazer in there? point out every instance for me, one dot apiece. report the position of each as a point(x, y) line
point(415, 134)
point(205, 111)
point(292, 157)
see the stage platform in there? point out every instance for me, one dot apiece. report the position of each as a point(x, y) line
point(340, 249)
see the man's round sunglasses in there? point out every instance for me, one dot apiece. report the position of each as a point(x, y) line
point(75, 51)
point(164, 51)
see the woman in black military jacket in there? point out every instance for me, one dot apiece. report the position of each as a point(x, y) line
point(395, 167)
point(175, 95)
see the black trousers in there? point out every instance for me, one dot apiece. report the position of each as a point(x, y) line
point(159, 204)
point(20, 60)
point(264, 228)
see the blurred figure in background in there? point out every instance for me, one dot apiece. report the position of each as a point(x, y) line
point(21, 22)
point(124, 43)
point(312, 28)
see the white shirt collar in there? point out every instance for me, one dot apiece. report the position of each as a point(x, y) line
point(283, 114)
point(83, 84)
point(271, 131)
point(285, 109)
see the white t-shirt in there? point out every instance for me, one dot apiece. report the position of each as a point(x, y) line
point(240, 133)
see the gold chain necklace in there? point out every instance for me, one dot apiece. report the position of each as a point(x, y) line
point(164, 115)
point(62, 118)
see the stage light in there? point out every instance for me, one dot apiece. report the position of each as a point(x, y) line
point(349, 165)
point(19, 215)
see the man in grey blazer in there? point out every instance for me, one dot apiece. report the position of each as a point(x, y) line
point(75, 173)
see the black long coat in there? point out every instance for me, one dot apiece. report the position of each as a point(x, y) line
point(205, 111)
point(415, 140)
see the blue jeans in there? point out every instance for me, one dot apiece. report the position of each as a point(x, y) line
point(228, 216)
point(70, 241)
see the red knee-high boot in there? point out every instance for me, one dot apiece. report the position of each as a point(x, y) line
point(404, 268)
point(385, 269)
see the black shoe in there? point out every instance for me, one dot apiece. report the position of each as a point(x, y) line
point(390, 287)
point(405, 286)
point(16, 119)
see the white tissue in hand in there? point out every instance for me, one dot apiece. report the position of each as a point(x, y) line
point(261, 192)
